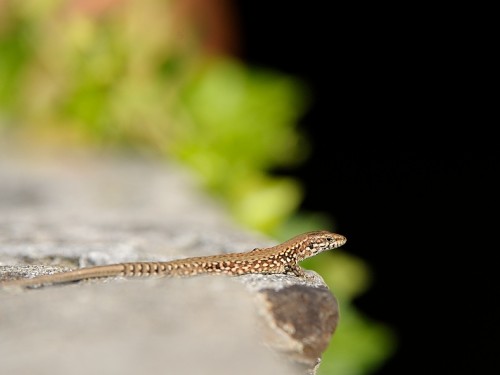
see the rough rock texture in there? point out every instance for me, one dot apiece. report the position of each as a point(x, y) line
point(69, 212)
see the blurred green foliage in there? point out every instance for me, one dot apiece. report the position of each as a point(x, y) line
point(121, 78)
point(237, 125)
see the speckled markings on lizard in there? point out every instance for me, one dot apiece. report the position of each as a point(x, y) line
point(283, 258)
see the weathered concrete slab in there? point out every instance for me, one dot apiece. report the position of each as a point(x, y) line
point(72, 212)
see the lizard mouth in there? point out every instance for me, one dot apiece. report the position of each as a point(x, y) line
point(340, 240)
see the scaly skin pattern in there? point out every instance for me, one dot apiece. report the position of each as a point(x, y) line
point(283, 258)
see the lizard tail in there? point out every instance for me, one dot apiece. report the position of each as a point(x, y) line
point(65, 277)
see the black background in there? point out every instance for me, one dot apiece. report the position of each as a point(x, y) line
point(404, 158)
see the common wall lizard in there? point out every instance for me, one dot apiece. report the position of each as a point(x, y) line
point(282, 258)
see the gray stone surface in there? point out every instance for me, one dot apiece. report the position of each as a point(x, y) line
point(167, 326)
point(67, 212)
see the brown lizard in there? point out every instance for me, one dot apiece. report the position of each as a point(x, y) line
point(283, 258)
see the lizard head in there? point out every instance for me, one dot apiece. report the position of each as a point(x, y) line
point(312, 243)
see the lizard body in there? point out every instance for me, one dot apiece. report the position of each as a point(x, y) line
point(282, 258)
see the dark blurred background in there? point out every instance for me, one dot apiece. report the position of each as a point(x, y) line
point(402, 158)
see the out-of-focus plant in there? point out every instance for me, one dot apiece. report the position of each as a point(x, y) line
point(118, 79)
point(124, 77)
point(237, 125)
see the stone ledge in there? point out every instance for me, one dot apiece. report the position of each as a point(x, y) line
point(83, 211)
